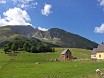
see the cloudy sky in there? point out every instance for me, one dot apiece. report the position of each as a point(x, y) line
point(82, 17)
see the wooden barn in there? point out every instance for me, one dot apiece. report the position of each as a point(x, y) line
point(65, 55)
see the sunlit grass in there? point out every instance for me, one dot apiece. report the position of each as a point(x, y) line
point(25, 65)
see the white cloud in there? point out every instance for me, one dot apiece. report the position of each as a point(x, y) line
point(47, 9)
point(15, 16)
point(27, 4)
point(24, 4)
point(2, 1)
point(42, 29)
point(99, 29)
point(101, 2)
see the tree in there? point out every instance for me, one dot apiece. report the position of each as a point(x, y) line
point(9, 45)
point(20, 44)
point(14, 47)
point(33, 49)
point(41, 48)
point(6, 49)
point(48, 48)
point(27, 46)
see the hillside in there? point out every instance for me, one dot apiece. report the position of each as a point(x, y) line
point(53, 36)
point(25, 65)
point(65, 39)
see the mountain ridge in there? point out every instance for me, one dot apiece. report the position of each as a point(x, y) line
point(53, 36)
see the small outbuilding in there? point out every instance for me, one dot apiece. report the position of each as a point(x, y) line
point(98, 53)
point(66, 55)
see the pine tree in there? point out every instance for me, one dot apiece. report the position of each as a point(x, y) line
point(27, 46)
point(14, 47)
point(33, 49)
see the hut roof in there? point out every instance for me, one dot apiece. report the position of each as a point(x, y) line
point(100, 48)
point(94, 50)
point(63, 52)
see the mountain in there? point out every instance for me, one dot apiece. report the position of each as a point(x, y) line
point(54, 36)
point(64, 39)
point(25, 30)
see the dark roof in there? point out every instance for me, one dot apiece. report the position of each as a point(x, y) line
point(94, 50)
point(63, 52)
point(100, 48)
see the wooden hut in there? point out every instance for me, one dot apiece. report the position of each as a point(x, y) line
point(65, 55)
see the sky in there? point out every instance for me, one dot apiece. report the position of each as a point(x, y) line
point(82, 17)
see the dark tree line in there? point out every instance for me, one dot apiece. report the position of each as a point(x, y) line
point(29, 46)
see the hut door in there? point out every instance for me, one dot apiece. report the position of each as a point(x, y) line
point(67, 55)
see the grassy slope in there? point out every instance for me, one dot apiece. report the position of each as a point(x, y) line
point(24, 66)
point(4, 59)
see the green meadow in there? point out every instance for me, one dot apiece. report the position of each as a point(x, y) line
point(38, 65)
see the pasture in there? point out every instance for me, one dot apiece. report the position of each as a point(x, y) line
point(38, 65)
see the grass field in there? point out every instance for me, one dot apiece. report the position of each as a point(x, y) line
point(24, 65)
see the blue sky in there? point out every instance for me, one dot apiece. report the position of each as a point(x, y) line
point(82, 17)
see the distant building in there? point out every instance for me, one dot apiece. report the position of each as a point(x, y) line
point(98, 53)
point(65, 55)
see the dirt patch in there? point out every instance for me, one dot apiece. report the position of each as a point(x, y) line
point(13, 54)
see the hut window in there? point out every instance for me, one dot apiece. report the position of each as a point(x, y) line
point(99, 55)
point(94, 55)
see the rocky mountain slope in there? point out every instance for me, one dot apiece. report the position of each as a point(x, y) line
point(54, 36)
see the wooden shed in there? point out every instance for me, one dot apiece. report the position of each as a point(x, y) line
point(65, 55)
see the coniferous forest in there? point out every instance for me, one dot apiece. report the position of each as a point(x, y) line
point(28, 46)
